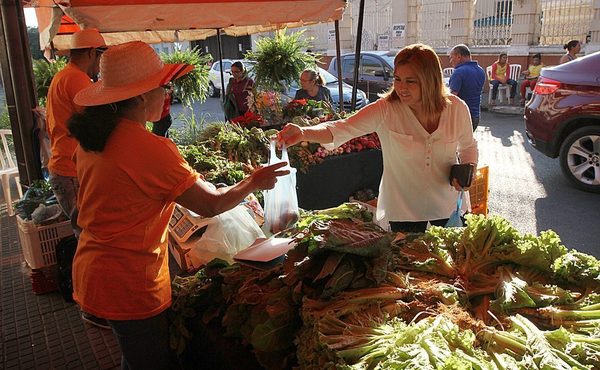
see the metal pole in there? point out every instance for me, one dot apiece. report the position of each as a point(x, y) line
point(338, 61)
point(219, 47)
point(361, 13)
point(17, 75)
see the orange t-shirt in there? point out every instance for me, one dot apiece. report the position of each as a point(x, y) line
point(126, 199)
point(60, 107)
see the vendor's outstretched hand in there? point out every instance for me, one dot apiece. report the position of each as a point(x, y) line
point(264, 178)
point(290, 135)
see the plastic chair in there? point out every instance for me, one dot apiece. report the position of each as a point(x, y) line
point(515, 72)
point(9, 168)
point(448, 71)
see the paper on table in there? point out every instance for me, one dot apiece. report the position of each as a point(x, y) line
point(264, 250)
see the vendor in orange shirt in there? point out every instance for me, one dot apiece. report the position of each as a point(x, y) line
point(130, 181)
point(86, 47)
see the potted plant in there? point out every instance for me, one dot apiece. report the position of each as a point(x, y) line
point(278, 62)
point(194, 85)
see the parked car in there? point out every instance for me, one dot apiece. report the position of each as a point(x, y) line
point(375, 74)
point(331, 83)
point(563, 119)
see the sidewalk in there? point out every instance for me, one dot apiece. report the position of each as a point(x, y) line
point(43, 331)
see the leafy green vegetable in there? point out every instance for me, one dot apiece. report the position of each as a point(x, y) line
point(577, 268)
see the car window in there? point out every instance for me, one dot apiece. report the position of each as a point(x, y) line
point(348, 65)
point(216, 66)
point(328, 77)
point(389, 59)
point(371, 66)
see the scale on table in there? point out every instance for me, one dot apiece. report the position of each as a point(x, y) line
point(185, 223)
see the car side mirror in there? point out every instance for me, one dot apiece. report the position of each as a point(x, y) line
point(379, 74)
point(228, 71)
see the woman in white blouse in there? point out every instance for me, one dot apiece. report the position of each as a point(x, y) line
point(423, 130)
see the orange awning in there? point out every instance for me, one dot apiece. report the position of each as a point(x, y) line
point(176, 20)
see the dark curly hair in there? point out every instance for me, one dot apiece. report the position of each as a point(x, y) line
point(92, 126)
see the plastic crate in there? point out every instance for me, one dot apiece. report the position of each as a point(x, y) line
point(478, 192)
point(44, 280)
point(38, 243)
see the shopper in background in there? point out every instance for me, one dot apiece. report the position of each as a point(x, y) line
point(161, 127)
point(423, 130)
point(86, 48)
point(130, 180)
point(467, 80)
point(531, 76)
point(572, 47)
point(239, 86)
point(312, 87)
point(501, 76)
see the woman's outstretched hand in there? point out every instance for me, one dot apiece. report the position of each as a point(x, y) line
point(264, 178)
point(291, 134)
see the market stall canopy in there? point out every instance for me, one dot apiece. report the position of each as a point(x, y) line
point(155, 21)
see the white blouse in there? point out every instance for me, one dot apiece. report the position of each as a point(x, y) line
point(416, 164)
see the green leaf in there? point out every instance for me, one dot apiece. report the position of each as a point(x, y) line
point(273, 335)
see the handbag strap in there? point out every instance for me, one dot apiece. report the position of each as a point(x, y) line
point(459, 200)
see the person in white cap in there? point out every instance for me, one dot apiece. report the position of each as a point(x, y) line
point(130, 181)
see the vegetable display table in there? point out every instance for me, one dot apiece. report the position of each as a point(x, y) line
point(333, 181)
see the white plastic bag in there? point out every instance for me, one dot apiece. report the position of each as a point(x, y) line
point(281, 202)
point(226, 234)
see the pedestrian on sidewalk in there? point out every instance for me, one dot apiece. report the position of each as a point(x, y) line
point(467, 80)
point(572, 47)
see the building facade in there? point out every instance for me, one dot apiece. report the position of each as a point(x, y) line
point(519, 27)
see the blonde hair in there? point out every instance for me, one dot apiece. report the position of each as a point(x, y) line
point(426, 64)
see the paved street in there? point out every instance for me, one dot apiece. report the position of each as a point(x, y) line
point(529, 189)
point(526, 187)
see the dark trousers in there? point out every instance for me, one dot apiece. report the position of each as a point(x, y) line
point(144, 343)
point(496, 83)
point(415, 227)
point(161, 126)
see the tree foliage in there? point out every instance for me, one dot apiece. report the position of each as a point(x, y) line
point(44, 72)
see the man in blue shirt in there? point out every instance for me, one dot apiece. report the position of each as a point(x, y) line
point(467, 80)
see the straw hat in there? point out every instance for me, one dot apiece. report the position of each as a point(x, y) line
point(129, 70)
point(86, 39)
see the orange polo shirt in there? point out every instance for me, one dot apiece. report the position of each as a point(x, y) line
point(126, 198)
point(60, 107)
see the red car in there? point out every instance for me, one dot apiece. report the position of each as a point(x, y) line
point(563, 119)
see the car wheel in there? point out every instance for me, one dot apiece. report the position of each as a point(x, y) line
point(212, 92)
point(580, 158)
